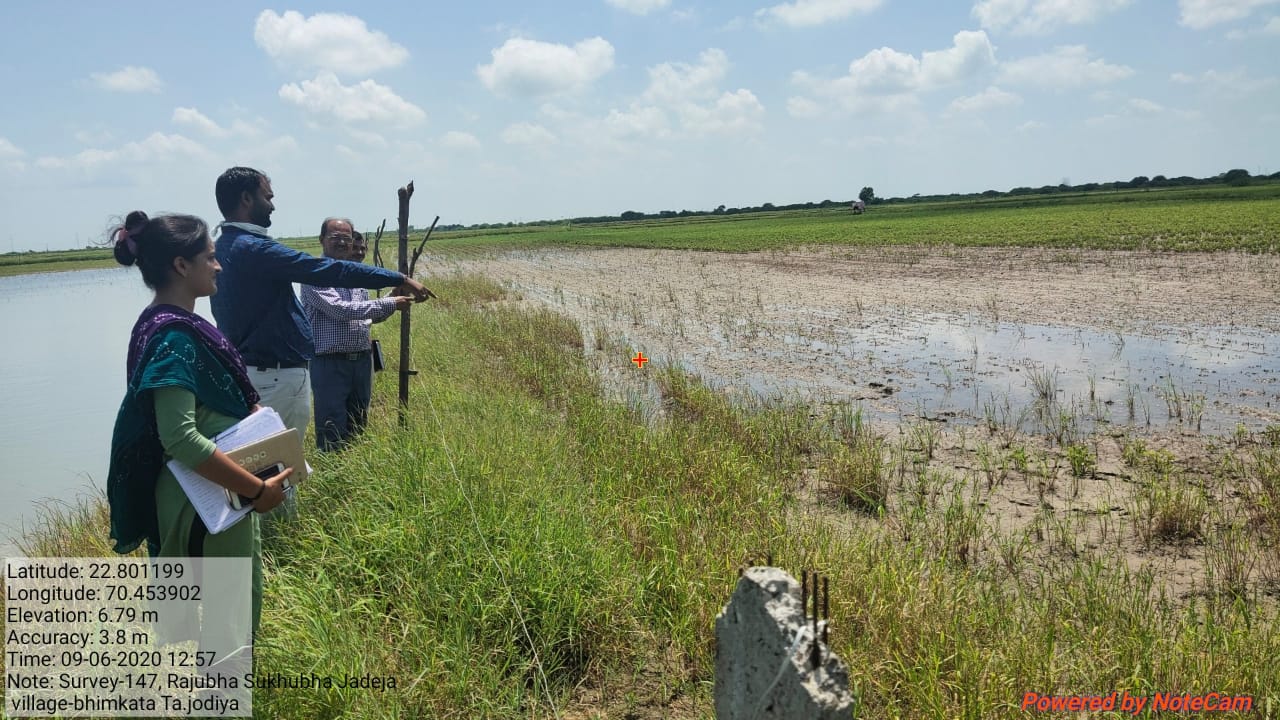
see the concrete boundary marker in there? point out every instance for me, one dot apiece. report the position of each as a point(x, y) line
point(764, 645)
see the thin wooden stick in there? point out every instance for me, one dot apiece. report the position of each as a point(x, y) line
point(413, 264)
point(377, 256)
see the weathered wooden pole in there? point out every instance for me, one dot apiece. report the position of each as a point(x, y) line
point(404, 193)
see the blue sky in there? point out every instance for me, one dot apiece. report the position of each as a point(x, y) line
point(506, 111)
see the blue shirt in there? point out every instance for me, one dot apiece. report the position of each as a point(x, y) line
point(255, 306)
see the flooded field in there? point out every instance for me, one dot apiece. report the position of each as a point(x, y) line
point(1151, 342)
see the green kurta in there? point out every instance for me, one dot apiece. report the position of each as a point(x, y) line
point(185, 427)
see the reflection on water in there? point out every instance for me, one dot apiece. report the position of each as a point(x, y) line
point(62, 379)
point(1207, 379)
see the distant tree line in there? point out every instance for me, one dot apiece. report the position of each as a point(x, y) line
point(1236, 177)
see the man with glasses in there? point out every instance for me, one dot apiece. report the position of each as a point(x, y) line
point(342, 371)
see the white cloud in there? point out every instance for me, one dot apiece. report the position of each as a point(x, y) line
point(131, 79)
point(1272, 27)
point(1027, 17)
point(734, 112)
point(458, 140)
point(326, 41)
point(527, 134)
point(991, 98)
point(155, 148)
point(887, 80)
point(196, 119)
point(1031, 125)
point(807, 13)
point(366, 101)
point(533, 68)
point(802, 107)
point(1236, 82)
point(1144, 105)
point(1201, 14)
point(680, 82)
point(971, 52)
point(639, 7)
point(8, 150)
point(1067, 66)
point(644, 121)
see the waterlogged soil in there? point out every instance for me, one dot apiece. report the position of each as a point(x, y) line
point(1148, 341)
point(994, 360)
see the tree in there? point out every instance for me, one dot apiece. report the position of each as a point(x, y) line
point(867, 195)
point(1236, 177)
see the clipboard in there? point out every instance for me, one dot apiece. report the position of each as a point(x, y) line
point(255, 442)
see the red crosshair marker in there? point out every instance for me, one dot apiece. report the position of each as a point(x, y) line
point(640, 359)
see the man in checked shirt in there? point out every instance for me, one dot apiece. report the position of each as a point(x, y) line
point(342, 372)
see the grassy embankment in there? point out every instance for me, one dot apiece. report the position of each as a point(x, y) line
point(1196, 219)
point(525, 548)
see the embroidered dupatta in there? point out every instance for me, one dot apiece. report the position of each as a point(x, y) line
point(169, 347)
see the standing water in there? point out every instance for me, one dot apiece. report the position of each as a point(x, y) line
point(62, 380)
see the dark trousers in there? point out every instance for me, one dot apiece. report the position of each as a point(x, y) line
point(342, 384)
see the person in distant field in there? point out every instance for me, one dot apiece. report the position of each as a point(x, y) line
point(342, 371)
point(186, 384)
point(257, 309)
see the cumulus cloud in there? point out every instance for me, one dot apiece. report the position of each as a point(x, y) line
point(807, 13)
point(1201, 14)
point(732, 113)
point(131, 79)
point(457, 140)
point(196, 119)
point(527, 134)
point(155, 148)
point(366, 101)
point(1064, 67)
point(675, 82)
point(802, 107)
point(1145, 106)
point(326, 41)
point(639, 7)
point(887, 79)
point(692, 93)
point(638, 122)
point(1037, 17)
point(533, 68)
point(989, 99)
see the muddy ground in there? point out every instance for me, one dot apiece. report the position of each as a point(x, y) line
point(952, 347)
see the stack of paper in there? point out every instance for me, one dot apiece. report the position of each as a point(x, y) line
point(261, 429)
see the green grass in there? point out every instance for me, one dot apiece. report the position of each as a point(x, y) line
point(1177, 219)
point(523, 547)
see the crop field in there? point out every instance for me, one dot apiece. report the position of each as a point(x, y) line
point(1034, 448)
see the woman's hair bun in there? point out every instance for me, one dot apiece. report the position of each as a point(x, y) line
point(135, 221)
point(126, 238)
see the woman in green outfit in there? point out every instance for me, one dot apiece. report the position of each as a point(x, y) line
point(186, 384)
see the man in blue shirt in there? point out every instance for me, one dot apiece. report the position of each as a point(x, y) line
point(255, 306)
